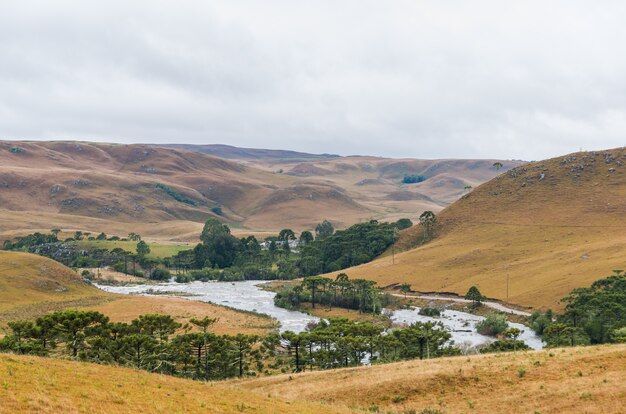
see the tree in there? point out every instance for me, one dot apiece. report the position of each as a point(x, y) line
point(78, 235)
point(405, 288)
point(428, 220)
point(403, 223)
point(203, 323)
point(313, 283)
point(74, 326)
point(134, 237)
point(306, 237)
point(475, 296)
point(55, 231)
point(159, 327)
point(219, 247)
point(142, 249)
point(497, 165)
point(323, 230)
point(101, 236)
point(286, 234)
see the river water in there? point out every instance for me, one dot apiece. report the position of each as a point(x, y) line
point(250, 297)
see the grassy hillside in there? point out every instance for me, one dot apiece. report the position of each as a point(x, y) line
point(547, 227)
point(31, 286)
point(165, 193)
point(42, 385)
point(590, 380)
point(576, 380)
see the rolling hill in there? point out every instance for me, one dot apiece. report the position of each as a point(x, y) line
point(31, 286)
point(541, 229)
point(167, 193)
point(589, 380)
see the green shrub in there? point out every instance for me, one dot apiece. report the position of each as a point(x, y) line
point(492, 325)
point(433, 312)
point(160, 274)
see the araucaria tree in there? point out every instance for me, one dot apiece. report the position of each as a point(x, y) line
point(428, 220)
point(475, 296)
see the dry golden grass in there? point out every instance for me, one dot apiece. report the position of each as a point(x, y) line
point(548, 235)
point(231, 322)
point(31, 286)
point(43, 385)
point(112, 188)
point(577, 380)
point(354, 315)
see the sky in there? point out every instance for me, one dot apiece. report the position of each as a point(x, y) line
point(424, 79)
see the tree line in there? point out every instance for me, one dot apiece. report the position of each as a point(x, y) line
point(358, 294)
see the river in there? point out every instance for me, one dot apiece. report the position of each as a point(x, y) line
point(250, 297)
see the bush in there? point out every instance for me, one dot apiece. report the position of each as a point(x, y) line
point(160, 274)
point(184, 278)
point(492, 325)
point(433, 312)
point(505, 346)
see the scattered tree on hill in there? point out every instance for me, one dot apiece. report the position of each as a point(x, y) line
point(55, 231)
point(428, 220)
point(78, 235)
point(101, 236)
point(497, 165)
point(404, 223)
point(324, 230)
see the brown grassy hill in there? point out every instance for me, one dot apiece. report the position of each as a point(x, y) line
point(122, 188)
point(101, 185)
point(44, 385)
point(31, 286)
point(548, 226)
point(577, 380)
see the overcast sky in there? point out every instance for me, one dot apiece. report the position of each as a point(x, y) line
point(426, 79)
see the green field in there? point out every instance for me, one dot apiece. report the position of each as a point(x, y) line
point(157, 250)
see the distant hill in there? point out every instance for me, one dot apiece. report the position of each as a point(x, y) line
point(167, 193)
point(237, 153)
point(547, 227)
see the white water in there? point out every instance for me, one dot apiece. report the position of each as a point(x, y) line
point(239, 295)
point(248, 296)
point(459, 322)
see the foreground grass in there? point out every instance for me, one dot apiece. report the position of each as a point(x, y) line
point(574, 380)
point(45, 385)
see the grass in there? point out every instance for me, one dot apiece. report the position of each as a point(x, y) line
point(523, 382)
point(539, 238)
point(31, 286)
point(230, 322)
point(44, 385)
point(157, 249)
point(323, 311)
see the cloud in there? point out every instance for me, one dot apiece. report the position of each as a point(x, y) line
point(405, 78)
